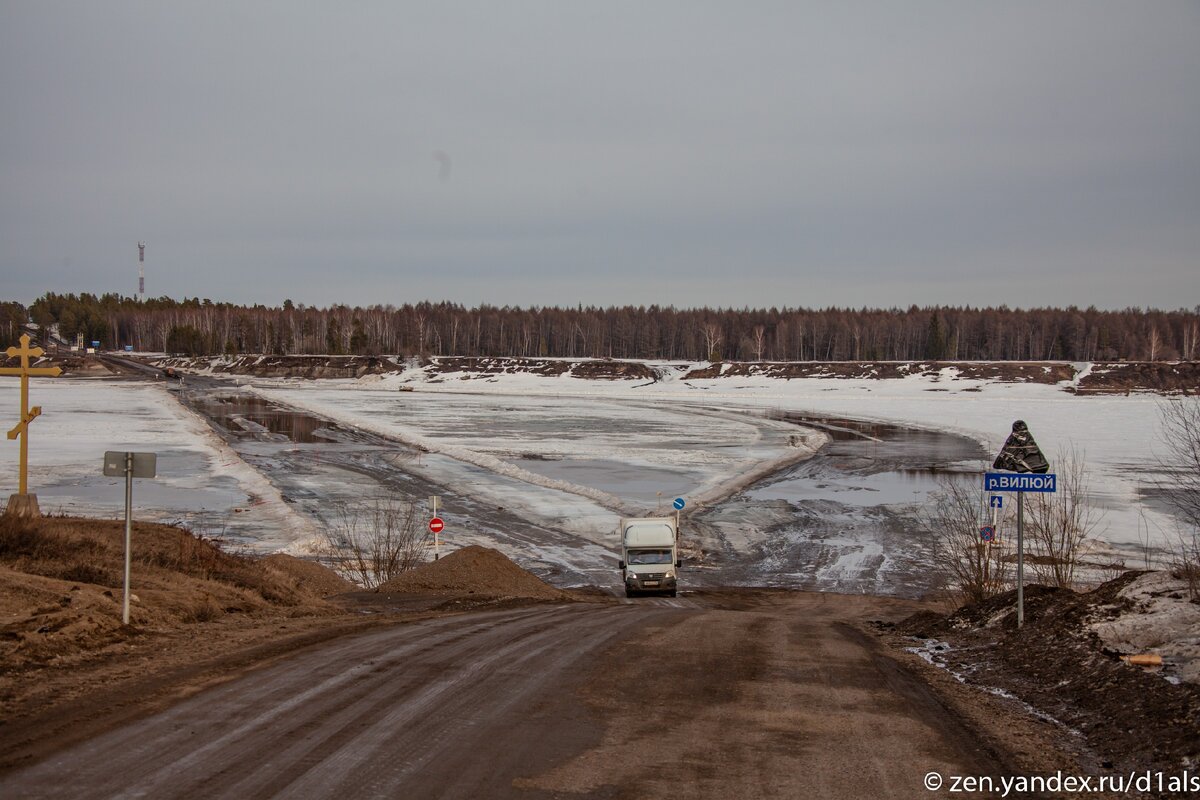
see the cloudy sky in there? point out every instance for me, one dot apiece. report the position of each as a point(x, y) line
point(536, 153)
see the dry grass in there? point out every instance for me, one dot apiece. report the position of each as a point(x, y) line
point(61, 582)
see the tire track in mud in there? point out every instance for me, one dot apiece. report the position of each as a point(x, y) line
point(407, 711)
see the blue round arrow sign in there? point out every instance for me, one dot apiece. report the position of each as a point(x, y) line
point(679, 504)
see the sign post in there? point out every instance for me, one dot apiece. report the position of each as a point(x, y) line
point(1021, 455)
point(435, 526)
point(679, 503)
point(131, 465)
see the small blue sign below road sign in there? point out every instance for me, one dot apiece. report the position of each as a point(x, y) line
point(987, 533)
point(679, 504)
point(996, 501)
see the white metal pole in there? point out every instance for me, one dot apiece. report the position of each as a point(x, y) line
point(128, 528)
point(437, 537)
point(1020, 559)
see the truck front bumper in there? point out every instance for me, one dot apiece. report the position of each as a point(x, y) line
point(650, 583)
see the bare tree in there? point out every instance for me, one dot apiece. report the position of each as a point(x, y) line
point(1181, 432)
point(374, 541)
point(760, 342)
point(1061, 522)
point(712, 341)
point(975, 568)
point(1180, 420)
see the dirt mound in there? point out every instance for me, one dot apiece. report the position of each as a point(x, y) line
point(62, 579)
point(295, 366)
point(1002, 371)
point(611, 370)
point(1128, 376)
point(309, 576)
point(1058, 664)
point(489, 367)
point(474, 570)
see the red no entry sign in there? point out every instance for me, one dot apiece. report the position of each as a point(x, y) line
point(436, 525)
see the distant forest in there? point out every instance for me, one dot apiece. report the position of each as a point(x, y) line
point(202, 327)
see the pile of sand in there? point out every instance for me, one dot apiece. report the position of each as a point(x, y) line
point(309, 576)
point(477, 571)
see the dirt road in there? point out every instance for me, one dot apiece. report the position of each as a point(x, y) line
point(748, 694)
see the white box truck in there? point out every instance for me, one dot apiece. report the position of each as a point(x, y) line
point(649, 555)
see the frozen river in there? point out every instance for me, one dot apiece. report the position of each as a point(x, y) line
point(774, 497)
point(839, 516)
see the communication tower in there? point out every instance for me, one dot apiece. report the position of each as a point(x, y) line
point(142, 271)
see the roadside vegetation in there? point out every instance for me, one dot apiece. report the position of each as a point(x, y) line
point(62, 579)
point(1181, 435)
point(1061, 524)
point(374, 541)
point(975, 570)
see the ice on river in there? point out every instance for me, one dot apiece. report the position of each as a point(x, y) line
point(572, 454)
point(1119, 435)
point(201, 482)
point(628, 456)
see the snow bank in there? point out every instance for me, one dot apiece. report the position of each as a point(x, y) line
point(1162, 620)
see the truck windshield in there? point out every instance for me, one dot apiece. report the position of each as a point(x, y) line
point(649, 556)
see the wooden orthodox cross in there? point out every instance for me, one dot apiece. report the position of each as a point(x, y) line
point(27, 414)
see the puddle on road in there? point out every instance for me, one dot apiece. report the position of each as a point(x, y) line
point(846, 519)
point(872, 464)
point(897, 487)
point(249, 416)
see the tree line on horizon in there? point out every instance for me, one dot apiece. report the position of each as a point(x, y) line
point(203, 328)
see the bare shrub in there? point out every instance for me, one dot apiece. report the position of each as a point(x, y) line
point(1180, 420)
point(1186, 563)
point(976, 569)
point(1060, 523)
point(205, 610)
point(90, 573)
point(374, 541)
point(18, 537)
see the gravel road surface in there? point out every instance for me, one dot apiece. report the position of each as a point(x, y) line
point(742, 694)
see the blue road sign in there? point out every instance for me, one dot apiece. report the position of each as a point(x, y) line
point(1019, 482)
point(679, 504)
point(987, 533)
point(996, 501)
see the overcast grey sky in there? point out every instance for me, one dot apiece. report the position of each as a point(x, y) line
point(536, 153)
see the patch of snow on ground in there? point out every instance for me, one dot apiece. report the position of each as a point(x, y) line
point(1163, 621)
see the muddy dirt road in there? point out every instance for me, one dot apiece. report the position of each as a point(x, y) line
point(743, 695)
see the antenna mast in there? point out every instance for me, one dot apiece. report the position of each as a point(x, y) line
point(142, 271)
